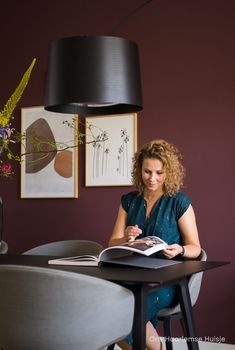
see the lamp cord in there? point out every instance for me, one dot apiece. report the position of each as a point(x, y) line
point(125, 18)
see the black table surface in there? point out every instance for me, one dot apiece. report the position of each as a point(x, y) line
point(139, 280)
point(125, 275)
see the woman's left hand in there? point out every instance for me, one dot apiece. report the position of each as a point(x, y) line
point(172, 250)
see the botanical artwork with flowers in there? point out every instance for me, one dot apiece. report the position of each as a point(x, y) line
point(50, 149)
point(111, 142)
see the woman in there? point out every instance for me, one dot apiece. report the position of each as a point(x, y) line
point(157, 208)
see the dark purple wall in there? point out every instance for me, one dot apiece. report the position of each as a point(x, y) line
point(187, 56)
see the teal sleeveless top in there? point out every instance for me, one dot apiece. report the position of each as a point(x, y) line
point(162, 222)
point(163, 219)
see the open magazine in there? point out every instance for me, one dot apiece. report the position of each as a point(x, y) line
point(128, 253)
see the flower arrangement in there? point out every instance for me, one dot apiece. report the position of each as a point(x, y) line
point(8, 135)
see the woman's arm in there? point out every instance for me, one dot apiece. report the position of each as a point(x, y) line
point(188, 228)
point(121, 232)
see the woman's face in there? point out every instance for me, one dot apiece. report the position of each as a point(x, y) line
point(153, 174)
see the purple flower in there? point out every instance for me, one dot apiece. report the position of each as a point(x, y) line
point(5, 132)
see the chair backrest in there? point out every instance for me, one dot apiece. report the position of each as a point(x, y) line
point(43, 308)
point(194, 285)
point(3, 247)
point(195, 281)
point(66, 248)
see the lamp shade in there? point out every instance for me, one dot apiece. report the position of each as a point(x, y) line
point(93, 75)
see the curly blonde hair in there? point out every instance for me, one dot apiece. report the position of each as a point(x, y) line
point(170, 157)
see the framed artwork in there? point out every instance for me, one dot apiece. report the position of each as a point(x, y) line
point(111, 142)
point(49, 167)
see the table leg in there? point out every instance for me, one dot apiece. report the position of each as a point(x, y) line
point(187, 315)
point(139, 325)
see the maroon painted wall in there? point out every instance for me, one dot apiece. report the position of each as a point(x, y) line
point(187, 60)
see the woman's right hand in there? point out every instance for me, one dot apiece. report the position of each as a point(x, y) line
point(131, 232)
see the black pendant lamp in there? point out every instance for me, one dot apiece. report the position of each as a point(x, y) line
point(93, 75)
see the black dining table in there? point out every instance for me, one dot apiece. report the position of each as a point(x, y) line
point(140, 281)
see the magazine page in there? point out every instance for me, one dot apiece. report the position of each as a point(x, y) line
point(145, 246)
point(82, 260)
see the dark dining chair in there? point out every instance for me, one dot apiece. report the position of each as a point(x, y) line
point(3, 247)
point(66, 248)
point(3, 244)
point(48, 309)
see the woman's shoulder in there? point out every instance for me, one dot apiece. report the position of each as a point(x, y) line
point(177, 197)
point(130, 195)
point(179, 202)
point(129, 198)
point(181, 196)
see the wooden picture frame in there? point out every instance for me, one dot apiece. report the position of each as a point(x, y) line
point(49, 168)
point(111, 141)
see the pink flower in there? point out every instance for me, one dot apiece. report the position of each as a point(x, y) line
point(6, 169)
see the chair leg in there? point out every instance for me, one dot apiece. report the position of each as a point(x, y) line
point(183, 327)
point(167, 332)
